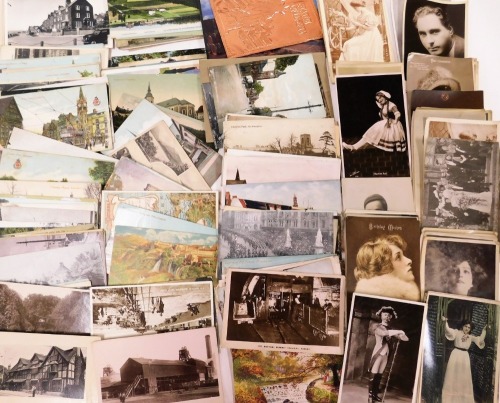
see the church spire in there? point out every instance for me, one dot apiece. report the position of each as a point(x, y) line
point(149, 95)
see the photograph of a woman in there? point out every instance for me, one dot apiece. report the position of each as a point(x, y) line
point(460, 267)
point(388, 133)
point(373, 125)
point(383, 269)
point(457, 385)
point(366, 43)
point(382, 350)
point(460, 350)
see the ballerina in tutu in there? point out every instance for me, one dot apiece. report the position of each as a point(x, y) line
point(388, 133)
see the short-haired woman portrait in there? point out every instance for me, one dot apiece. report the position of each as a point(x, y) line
point(383, 269)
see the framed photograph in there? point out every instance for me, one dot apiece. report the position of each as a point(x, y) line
point(460, 354)
point(188, 370)
point(373, 126)
point(66, 358)
point(460, 266)
point(148, 309)
point(383, 344)
point(460, 187)
point(298, 312)
point(383, 256)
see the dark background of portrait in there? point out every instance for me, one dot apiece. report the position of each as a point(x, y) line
point(441, 254)
point(362, 341)
point(411, 40)
point(437, 348)
point(359, 111)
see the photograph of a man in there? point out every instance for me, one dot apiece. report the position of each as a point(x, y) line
point(435, 28)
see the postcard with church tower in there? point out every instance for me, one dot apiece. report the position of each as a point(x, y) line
point(75, 115)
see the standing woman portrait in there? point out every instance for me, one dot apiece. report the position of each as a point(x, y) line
point(386, 134)
point(457, 385)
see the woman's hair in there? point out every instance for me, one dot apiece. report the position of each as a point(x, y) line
point(466, 322)
point(374, 258)
point(448, 276)
point(437, 11)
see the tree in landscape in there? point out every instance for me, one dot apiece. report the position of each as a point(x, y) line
point(12, 314)
point(101, 171)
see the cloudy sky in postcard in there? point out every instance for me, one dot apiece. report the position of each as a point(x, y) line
point(23, 13)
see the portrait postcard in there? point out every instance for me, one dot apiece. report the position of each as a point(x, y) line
point(461, 266)
point(310, 195)
point(158, 149)
point(154, 308)
point(153, 370)
point(260, 233)
point(295, 312)
point(286, 86)
point(325, 370)
point(421, 19)
point(418, 120)
point(129, 175)
point(313, 137)
point(61, 266)
point(248, 28)
point(460, 354)
point(241, 166)
point(44, 309)
point(77, 115)
point(384, 195)
point(60, 368)
point(464, 193)
point(357, 32)
point(373, 126)
point(384, 340)
point(187, 130)
point(383, 255)
point(26, 165)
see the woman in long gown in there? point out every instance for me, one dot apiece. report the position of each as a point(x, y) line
point(366, 44)
point(469, 200)
point(386, 134)
point(457, 385)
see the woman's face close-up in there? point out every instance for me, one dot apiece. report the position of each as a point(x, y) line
point(381, 99)
point(401, 264)
point(466, 328)
point(462, 282)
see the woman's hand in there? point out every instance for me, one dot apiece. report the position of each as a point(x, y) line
point(444, 318)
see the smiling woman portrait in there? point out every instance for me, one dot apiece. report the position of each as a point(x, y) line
point(383, 269)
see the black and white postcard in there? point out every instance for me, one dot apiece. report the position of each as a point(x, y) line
point(460, 186)
point(46, 368)
point(460, 266)
point(383, 344)
point(142, 367)
point(460, 355)
point(298, 312)
point(42, 309)
point(270, 232)
point(373, 125)
point(154, 308)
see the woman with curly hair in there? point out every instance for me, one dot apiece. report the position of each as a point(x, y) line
point(383, 269)
point(463, 277)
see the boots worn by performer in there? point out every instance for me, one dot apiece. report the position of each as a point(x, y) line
point(375, 388)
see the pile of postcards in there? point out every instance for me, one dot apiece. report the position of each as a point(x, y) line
point(265, 201)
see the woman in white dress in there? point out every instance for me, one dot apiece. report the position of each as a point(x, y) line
point(457, 385)
point(366, 44)
point(386, 134)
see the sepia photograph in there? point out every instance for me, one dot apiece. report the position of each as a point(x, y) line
point(295, 312)
point(462, 129)
point(275, 233)
point(373, 126)
point(149, 309)
point(42, 309)
point(141, 369)
point(460, 266)
point(383, 256)
point(460, 357)
point(460, 184)
point(437, 28)
point(46, 368)
point(383, 345)
point(309, 377)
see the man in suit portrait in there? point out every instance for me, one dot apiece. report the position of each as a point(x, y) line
point(436, 33)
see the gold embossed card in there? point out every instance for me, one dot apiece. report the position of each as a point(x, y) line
point(251, 26)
